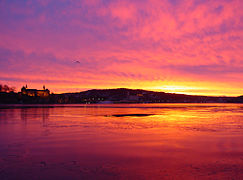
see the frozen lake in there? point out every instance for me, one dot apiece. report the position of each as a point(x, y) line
point(121, 141)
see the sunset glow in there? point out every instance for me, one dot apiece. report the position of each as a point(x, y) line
point(188, 46)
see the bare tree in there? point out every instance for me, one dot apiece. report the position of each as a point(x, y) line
point(6, 88)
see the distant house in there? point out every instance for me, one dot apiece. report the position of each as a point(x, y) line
point(35, 92)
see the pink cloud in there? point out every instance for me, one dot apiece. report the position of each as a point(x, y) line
point(122, 41)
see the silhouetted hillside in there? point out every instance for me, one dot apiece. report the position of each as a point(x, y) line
point(121, 95)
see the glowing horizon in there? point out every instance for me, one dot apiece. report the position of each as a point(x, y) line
point(190, 47)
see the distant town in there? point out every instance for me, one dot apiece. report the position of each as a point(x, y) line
point(103, 96)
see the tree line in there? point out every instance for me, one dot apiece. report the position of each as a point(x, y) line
point(6, 88)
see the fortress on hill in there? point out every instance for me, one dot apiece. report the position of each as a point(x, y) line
point(35, 92)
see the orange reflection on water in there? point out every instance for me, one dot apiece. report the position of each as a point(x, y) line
point(135, 141)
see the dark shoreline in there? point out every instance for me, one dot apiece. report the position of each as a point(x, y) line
point(114, 96)
point(122, 105)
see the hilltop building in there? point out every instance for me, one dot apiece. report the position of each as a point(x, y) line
point(35, 92)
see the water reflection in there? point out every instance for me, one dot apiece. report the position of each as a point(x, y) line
point(35, 114)
point(45, 116)
point(24, 115)
point(191, 141)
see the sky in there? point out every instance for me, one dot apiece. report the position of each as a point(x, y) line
point(178, 46)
